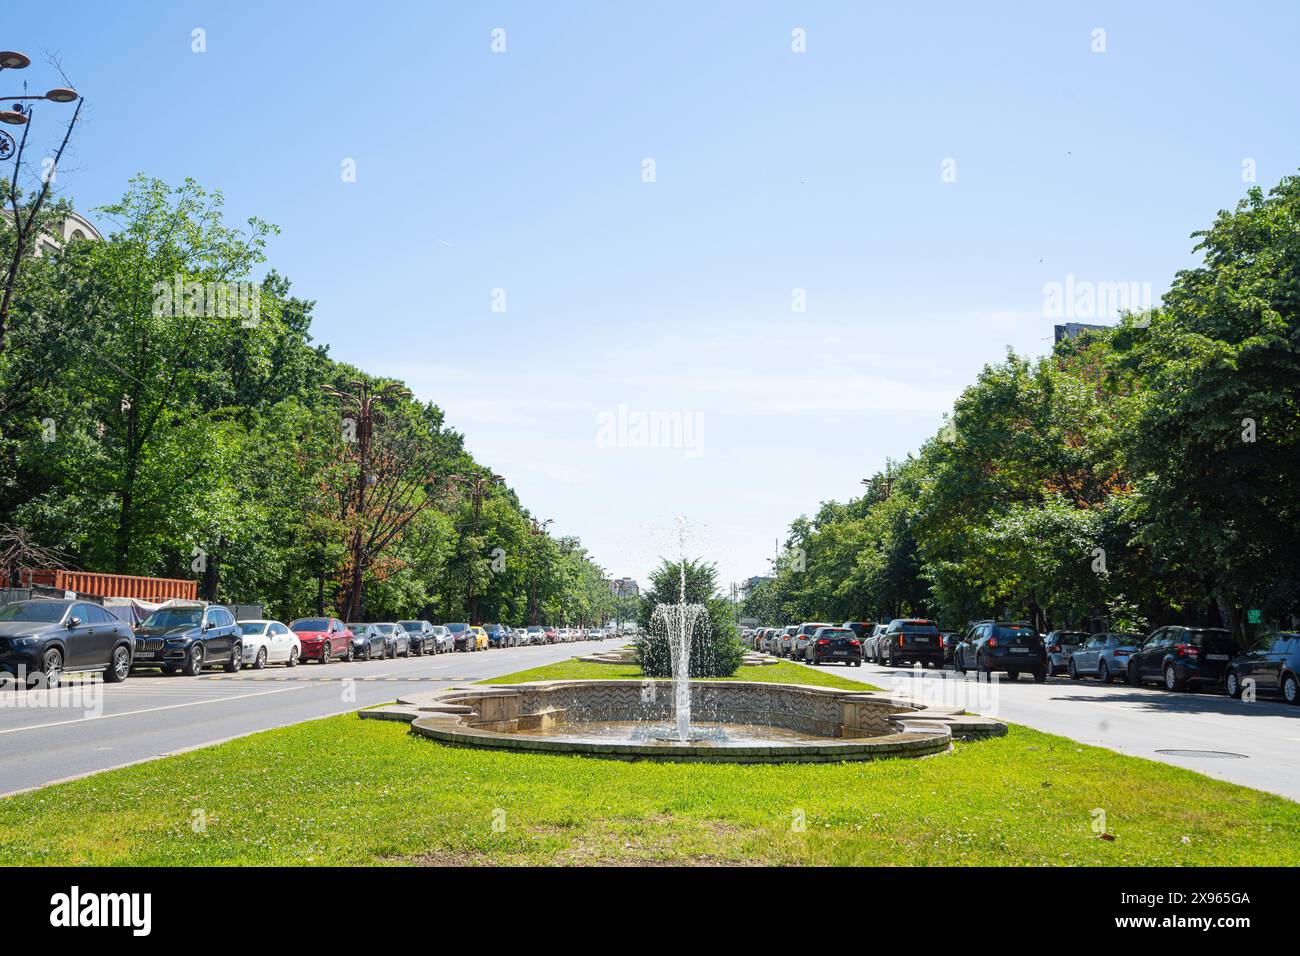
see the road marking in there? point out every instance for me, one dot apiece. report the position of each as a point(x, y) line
point(149, 710)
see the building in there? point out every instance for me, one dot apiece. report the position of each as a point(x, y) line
point(624, 587)
point(751, 583)
point(75, 226)
point(1072, 330)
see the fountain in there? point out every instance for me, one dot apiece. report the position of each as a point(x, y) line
point(737, 721)
point(676, 622)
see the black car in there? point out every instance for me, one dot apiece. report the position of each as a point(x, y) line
point(419, 636)
point(1183, 657)
point(911, 641)
point(42, 639)
point(999, 646)
point(1273, 665)
point(188, 638)
point(368, 642)
point(837, 645)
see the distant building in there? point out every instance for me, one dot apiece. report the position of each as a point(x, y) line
point(50, 241)
point(751, 583)
point(1072, 330)
point(625, 587)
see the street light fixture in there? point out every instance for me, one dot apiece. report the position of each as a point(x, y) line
point(13, 60)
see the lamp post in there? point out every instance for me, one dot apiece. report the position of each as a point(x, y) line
point(538, 529)
point(21, 115)
point(479, 488)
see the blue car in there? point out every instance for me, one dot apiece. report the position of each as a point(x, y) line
point(997, 646)
point(1103, 656)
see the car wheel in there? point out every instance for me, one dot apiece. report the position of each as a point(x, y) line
point(259, 662)
point(325, 653)
point(958, 663)
point(293, 658)
point(119, 666)
point(1290, 689)
point(346, 657)
point(1103, 672)
point(1013, 675)
point(1072, 669)
point(1040, 677)
point(51, 669)
point(236, 660)
point(1232, 684)
point(1172, 681)
point(415, 649)
point(981, 665)
point(193, 661)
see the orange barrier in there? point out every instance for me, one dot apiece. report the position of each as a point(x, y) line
point(113, 585)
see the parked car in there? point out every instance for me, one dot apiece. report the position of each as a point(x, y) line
point(421, 637)
point(910, 641)
point(998, 646)
point(398, 643)
point(536, 634)
point(323, 638)
point(368, 642)
point(269, 642)
point(497, 635)
point(1183, 657)
point(802, 635)
point(42, 639)
point(872, 647)
point(1273, 664)
point(834, 645)
point(460, 636)
point(950, 641)
point(480, 637)
point(188, 637)
point(861, 629)
point(1104, 656)
point(785, 643)
point(1060, 645)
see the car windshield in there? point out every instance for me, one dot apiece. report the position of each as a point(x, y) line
point(535, 630)
point(457, 628)
point(409, 625)
point(384, 628)
point(913, 627)
point(43, 612)
point(252, 627)
point(834, 632)
point(174, 617)
point(310, 624)
point(1071, 637)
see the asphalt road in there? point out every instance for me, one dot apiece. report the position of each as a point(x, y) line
point(151, 715)
point(1257, 744)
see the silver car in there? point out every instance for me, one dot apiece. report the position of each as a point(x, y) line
point(785, 641)
point(1104, 656)
point(804, 634)
point(1060, 645)
point(871, 646)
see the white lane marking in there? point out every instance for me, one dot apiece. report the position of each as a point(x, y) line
point(151, 710)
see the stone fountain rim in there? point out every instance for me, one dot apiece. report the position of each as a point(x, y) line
point(922, 730)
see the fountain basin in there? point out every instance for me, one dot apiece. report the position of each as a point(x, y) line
point(742, 722)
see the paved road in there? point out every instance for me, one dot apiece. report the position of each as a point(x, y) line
point(151, 715)
point(1141, 721)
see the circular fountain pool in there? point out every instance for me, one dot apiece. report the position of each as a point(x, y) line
point(733, 721)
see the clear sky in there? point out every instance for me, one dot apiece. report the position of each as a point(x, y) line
point(920, 173)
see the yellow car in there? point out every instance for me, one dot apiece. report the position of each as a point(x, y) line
point(480, 638)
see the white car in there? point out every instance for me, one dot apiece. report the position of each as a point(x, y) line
point(269, 642)
point(536, 634)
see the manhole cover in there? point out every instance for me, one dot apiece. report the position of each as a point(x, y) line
point(1212, 754)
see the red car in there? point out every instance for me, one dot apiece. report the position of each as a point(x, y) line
point(323, 638)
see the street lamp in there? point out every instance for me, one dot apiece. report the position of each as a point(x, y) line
point(13, 60)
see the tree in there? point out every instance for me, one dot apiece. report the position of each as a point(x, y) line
point(715, 644)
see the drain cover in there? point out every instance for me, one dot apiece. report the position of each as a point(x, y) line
point(1213, 754)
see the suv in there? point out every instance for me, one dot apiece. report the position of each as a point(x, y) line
point(1183, 657)
point(1060, 645)
point(999, 646)
point(323, 638)
point(1273, 665)
point(536, 634)
point(41, 639)
point(910, 640)
point(421, 636)
point(188, 638)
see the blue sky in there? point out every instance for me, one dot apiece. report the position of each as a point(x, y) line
point(774, 171)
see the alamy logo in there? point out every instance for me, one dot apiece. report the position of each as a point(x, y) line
point(624, 428)
point(180, 299)
point(75, 909)
point(1083, 299)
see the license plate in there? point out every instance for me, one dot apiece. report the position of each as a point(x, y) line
point(841, 653)
point(143, 655)
point(1216, 657)
point(920, 640)
point(1019, 650)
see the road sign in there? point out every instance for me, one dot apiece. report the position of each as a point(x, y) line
point(1254, 616)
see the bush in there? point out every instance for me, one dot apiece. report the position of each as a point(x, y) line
point(715, 644)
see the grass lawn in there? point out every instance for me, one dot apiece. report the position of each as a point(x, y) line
point(352, 791)
point(782, 672)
